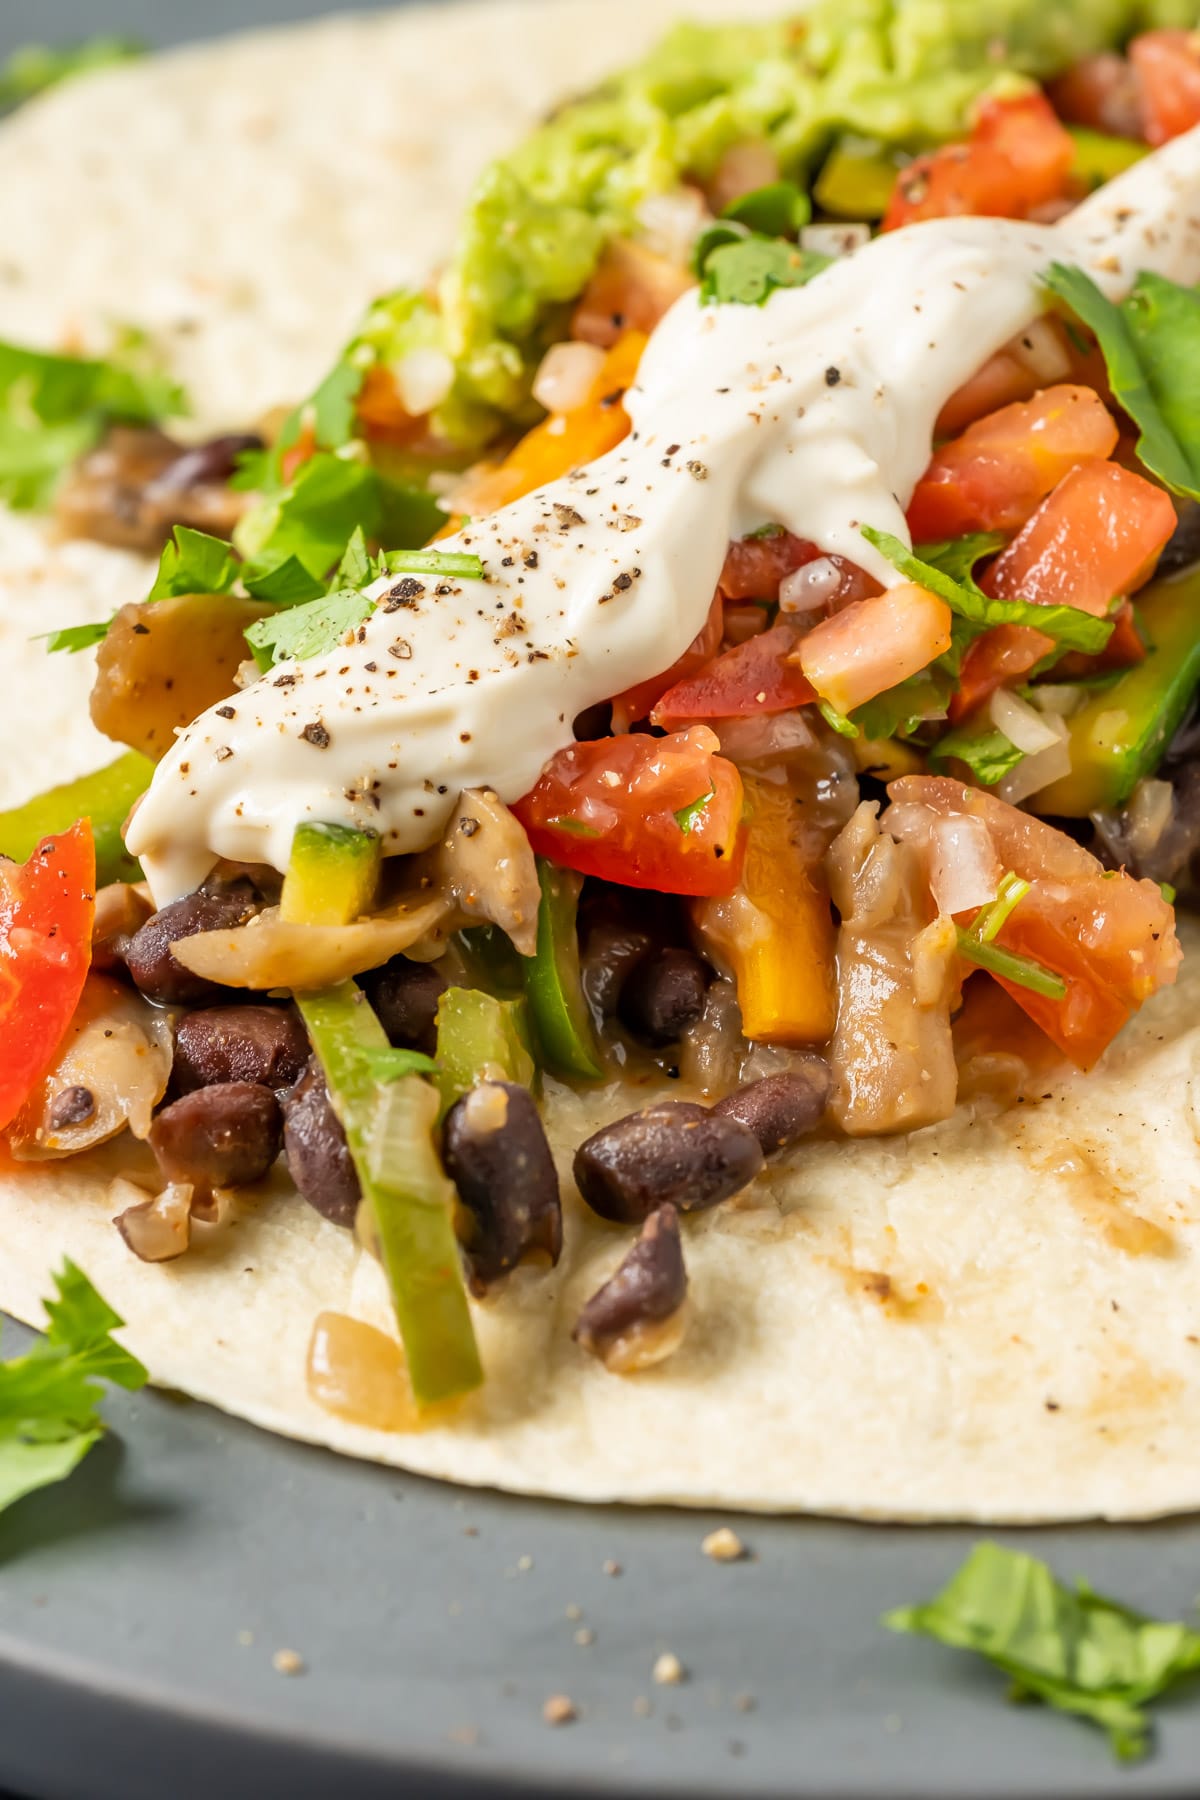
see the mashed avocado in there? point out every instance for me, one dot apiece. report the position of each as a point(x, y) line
point(904, 72)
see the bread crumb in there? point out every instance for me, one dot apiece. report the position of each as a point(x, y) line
point(287, 1662)
point(613, 1568)
point(524, 1563)
point(723, 1545)
point(668, 1670)
point(246, 1638)
point(558, 1710)
point(574, 1611)
point(584, 1637)
point(642, 1708)
point(744, 1702)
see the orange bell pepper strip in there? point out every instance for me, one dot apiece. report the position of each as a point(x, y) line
point(46, 910)
point(775, 933)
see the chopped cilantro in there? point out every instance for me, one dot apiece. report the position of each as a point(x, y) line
point(902, 710)
point(576, 827)
point(33, 68)
point(777, 210)
point(286, 584)
point(314, 518)
point(838, 721)
point(73, 638)
point(986, 751)
point(1022, 971)
point(1151, 347)
point(688, 817)
point(960, 557)
point(456, 564)
point(985, 926)
point(745, 271)
point(309, 630)
point(1070, 1648)
point(49, 1396)
point(194, 563)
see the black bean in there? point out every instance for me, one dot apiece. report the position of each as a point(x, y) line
point(71, 1107)
point(405, 995)
point(219, 1136)
point(1182, 548)
point(497, 1156)
point(213, 461)
point(674, 1151)
point(148, 955)
point(781, 1109)
point(267, 1044)
point(664, 995)
point(649, 1287)
point(318, 1157)
point(612, 951)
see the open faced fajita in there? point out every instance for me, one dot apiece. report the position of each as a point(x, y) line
point(622, 642)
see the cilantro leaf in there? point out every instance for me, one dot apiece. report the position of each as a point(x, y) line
point(749, 269)
point(688, 817)
point(48, 1397)
point(33, 68)
point(309, 630)
point(1067, 625)
point(777, 210)
point(389, 1065)
point(192, 562)
point(358, 568)
point(73, 638)
point(988, 754)
point(1151, 348)
point(960, 557)
point(901, 710)
point(1070, 1648)
point(314, 518)
point(54, 408)
point(287, 584)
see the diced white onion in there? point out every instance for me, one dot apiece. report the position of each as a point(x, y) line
point(423, 379)
point(811, 587)
point(744, 168)
point(1033, 773)
point(1148, 815)
point(671, 223)
point(964, 869)
point(1061, 697)
point(566, 375)
point(835, 240)
point(1021, 723)
point(1042, 351)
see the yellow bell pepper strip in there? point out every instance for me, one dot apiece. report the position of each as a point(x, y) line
point(332, 875)
point(388, 1117)
point(1121, 731)
point(858, 178)
point(776, 932)
point(104, 798)
point(566, 1038)
point(480, 1038)
point(1099, 157)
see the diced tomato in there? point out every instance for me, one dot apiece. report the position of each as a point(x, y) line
point(632, 289)
point(1168, 67)
point(874, 644)
point(994, 476)
point(1019, 157)
point(754, 677)
point(636, 702)
point(647, 812)
point(1097, 536)
point(1102, 92)
point(1124, 648)
point(755, 566)
point(1112, 939)
point(46, 911)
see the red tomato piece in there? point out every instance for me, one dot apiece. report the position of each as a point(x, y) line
point(46, 911)
point(1112, 939)
point(1168, 67)
point(754, 677)
point(648, 812)
point(995, 475)
point(1102, 92)
point(1098, 535)
point(631, 290)
point(636, 702)
point(755, 566)
point(874, 644)
point(1018, 158)
point(1124, 648)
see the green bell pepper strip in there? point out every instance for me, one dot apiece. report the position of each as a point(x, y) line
point(858, 178)
point(1119, 734)
point(388, 1117)
point(332, 875)
point(480, 1037)
point(1099, 157)
point(562, 1023)
point(104, 797)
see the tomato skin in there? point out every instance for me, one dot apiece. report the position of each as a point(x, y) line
point(1167, 64)
point(607, 808)
point(1102, 92)
point(1017, 158)
point(752, 678)
point(755, 566)
point(996, 474)
point(46, 910)
point(636, 702)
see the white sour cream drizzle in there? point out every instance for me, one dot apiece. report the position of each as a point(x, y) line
point(815, 411)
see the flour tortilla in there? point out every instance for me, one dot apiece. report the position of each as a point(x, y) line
point(996, 1319)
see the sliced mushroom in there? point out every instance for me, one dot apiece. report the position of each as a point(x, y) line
point(638, 1317)
point(122, 908)
point(486, 865)
point(157, 1228)
point(118, 1053)
point(266, 953)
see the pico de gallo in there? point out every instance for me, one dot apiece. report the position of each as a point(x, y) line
point(777, 871)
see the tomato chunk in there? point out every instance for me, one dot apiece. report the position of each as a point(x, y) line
point(636, 702)
point(632, 289)
point(46, 911)
point(994, 476)
point(1112, 939)
point(874, 644)
point(1168, 68)
point(1018, 157)
point(754, 677)
point(755, 566)
point(647, 812)
point(1097, 536)
point(1102, 92)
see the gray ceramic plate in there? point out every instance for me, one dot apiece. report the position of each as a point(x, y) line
point(142, 1605)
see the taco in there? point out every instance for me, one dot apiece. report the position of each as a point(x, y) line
point(624, 943)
